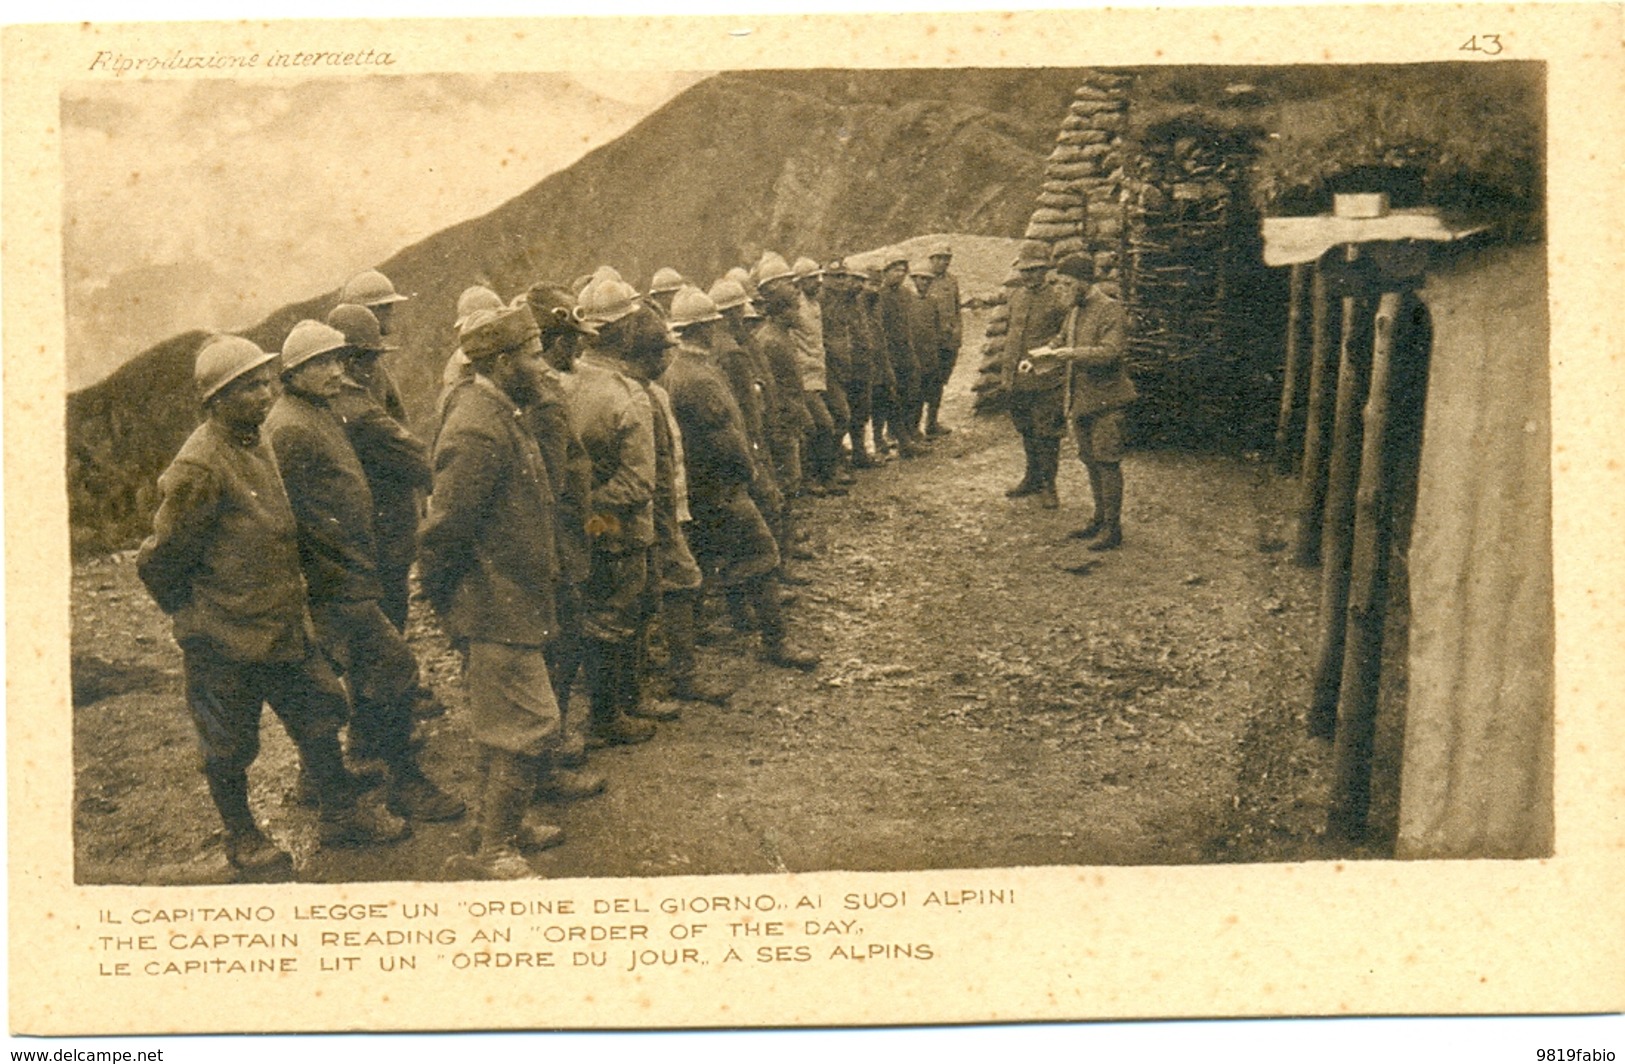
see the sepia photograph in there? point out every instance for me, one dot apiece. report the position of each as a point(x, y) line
point(667, 521)
point(941, 469)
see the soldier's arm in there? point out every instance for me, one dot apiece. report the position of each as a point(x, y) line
point(1110, 339)
point(633, 482)
point(383, 445)
point(188, 510)
point(465, 484)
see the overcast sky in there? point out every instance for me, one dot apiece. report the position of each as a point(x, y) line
point(208, 204)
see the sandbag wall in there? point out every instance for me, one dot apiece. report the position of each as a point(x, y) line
point(1080, 204)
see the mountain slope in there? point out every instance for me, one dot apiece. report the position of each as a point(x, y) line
point(816, 162)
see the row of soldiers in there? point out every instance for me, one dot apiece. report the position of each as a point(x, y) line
point(602, 458)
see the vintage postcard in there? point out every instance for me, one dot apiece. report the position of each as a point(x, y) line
point(802, 521)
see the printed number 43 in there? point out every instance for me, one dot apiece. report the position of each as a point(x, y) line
point(1488, 43)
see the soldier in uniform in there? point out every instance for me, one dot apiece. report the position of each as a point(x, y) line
point(373, 290)
point(614, 419)
point(223, 563)
point(1098, 389)
point(877, 382)
point(780, 304)
point(835, 305)
point(735, 352)
point(458, 369)
point(897, 331)
point(944, 293)
point(489, 570)
point(928, 340)
point(730, 538)
point(825, 399)
point(333, 508)
point(1035, 388)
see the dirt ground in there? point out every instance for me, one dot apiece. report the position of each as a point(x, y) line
point(990, 695)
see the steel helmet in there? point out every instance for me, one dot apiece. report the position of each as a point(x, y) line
point(369, 288)
point(806, 267)
point(224, 359)
point(608, 273)
point(359, 326)
point(307, 340)
point(607, 300)
point(771, 267)
point(1033, 253)
point(940, 250)
point(690, 306)
point(728, 294)
point(893, 257)
point(475, 297)
point(666, 279)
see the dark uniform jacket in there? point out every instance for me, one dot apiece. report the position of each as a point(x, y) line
point(776, 344)
point(837, 311)
point(614, 421)
point(945, 294)
point(223, 557)
point(926, 322)
point(488, 559)
point(396, 464)
point(715, 447)
point(569, 471)
point(1095, 333)
point(330, 497)
point(1035, 316)
point(897, 328)
point(874, 365)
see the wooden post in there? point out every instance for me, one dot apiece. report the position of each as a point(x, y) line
point(1312, 475)
point(1342, 477)
point(1367, 597)
point(1292, 371)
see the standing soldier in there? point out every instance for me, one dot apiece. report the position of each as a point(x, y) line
point(825, 400)
point(835, 307)
point(1098, 390)
point(945, 294)
point(735, 352)
point(662, 287)
point(1035, 386)
point(489, 568)
point(730, 538)
point(569, 470)
point(457, 369)
point(781, 311)
point(396, 463)
point(372, 290)
point(333, 508)
point(223, 562)
point(880, 383)
point(614, 420)
point(927, 344)
point(897, 331)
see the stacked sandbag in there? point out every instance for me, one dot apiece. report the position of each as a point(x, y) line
point(1080, 203)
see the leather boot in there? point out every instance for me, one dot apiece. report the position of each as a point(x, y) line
point(253, 855)
point(509, 780)
point(682, 619)
point(1030, 483)
point(1048, 454)
point(1098, 521)
point(414, 796)
point(777, 649)
point(1111, 531)
point(612, 668)
point(556, 783)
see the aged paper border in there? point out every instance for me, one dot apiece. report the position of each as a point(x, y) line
point(1308, 939)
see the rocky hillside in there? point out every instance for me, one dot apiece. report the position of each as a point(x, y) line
point(815, 162)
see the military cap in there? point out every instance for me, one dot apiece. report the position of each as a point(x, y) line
point(475, 297)
point(488, 333)
point(1033, 253)
point(1078, 267)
